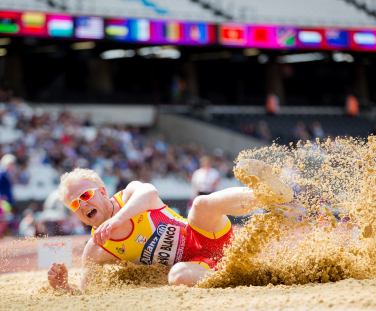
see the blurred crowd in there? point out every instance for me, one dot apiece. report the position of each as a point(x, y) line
point(118, 153)
point(300, 131)
point(258, 130)
point(313, 131)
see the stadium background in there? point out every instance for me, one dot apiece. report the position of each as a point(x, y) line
point(140, 90)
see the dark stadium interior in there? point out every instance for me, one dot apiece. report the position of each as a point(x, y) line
point(43, 70)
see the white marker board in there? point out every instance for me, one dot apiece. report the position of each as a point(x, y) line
point(57, 250)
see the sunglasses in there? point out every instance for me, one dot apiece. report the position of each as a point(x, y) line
point(85, 196)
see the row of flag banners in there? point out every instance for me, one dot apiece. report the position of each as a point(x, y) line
point(88, 27)
point(184, 33)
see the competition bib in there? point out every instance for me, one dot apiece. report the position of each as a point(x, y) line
point(165, 246)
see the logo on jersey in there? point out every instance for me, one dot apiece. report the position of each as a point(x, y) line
point(140, 219)
point(141, 239)
point(121, 250)
point(161, 229)
point(170, 238)
point(162, 245)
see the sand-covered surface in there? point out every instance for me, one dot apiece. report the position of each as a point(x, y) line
point(29, 291)
point(314, 251)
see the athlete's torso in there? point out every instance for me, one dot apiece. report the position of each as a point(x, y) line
point(158, 236)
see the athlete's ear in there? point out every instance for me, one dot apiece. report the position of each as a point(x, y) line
point(103, 192)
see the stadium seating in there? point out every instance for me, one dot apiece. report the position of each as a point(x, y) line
point(43, 180)
point(290, 12)
point(168, 166)
point(282, 126)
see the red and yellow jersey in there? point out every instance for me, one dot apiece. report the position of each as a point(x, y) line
point(158, 236)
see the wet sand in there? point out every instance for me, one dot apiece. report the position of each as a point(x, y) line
point(29, 291)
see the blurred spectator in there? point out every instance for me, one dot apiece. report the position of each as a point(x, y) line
point(7, 163)
point(123, 181)
point(87, 121)
point(316, 130)
point(75, 226)
point(27, 224)
point(160, 145)
point(22, 175)
point(248, 129)
point(218, 162)
point(263, 131)
point(260, 131)
point(272, 104)
point(352, 105)
point(5, 216)
point(300, 132)
point(56, 219)
point(177, 89)
point(206, 179)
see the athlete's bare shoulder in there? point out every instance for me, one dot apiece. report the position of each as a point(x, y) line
point(130, 189)
point(142, 189)
point(95, 254)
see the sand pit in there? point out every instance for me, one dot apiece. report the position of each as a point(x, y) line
point(26, 291)
point(314, 253)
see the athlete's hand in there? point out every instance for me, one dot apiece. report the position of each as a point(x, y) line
point(58, 276)
point(105, 230)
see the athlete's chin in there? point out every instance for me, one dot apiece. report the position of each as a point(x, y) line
point(95, 221)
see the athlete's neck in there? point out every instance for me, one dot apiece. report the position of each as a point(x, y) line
point(115, 207)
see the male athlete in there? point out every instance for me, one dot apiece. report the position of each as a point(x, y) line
point(136, 226)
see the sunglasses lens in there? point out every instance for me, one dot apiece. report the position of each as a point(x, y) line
point(87, 195)
point(74, 205)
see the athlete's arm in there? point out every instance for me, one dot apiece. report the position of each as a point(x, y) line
point(138, 198)
point(93, 255)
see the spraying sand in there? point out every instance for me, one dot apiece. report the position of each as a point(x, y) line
point(334, 186)
point(316, 252)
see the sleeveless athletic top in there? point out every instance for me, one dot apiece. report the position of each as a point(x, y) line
point(158, 236)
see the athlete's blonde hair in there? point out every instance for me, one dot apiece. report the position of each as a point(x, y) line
point(73, 177)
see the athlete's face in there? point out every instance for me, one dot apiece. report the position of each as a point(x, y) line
point(95, 211)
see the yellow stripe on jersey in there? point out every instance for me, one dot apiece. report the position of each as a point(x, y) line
point(119, 198)
point(211, 235)
point(201, 263)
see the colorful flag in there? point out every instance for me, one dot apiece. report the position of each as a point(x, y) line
point(337, 38)
point(89, 27)
point(140, 29)
point(117, 29)
point(366, 39)
point(172, 31)
point(60, 26)
point(195, 33)
point(8, 22)
point(33, 20)
point(310, 38)
point(232, 34)
point(286, 37)
point(260, 35)
point(33, 23)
